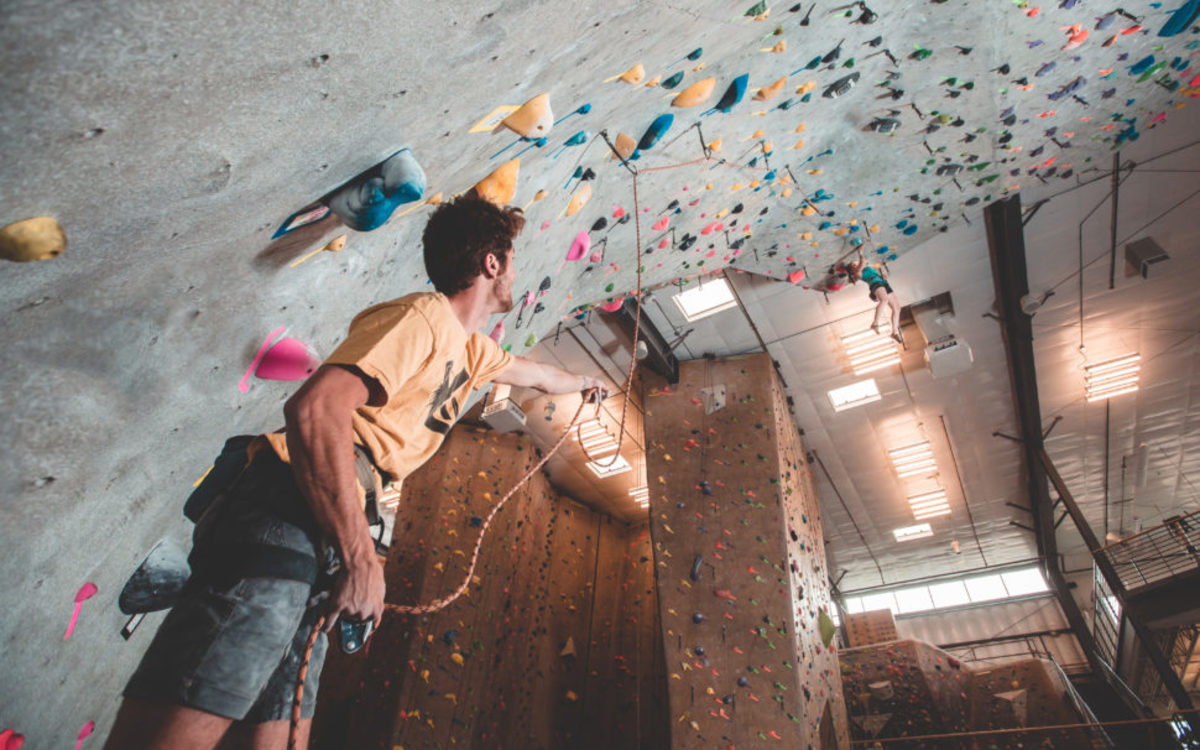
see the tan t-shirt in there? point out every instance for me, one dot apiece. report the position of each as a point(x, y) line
point(426, 364)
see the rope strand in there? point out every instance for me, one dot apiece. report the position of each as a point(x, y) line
point(436, 604)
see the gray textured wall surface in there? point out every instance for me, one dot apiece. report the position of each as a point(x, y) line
point(171, 139)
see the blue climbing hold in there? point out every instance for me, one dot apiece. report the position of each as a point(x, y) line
point(660, 125)
point(367, 202)
point(733, 94)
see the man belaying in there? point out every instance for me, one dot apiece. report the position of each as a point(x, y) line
point(229, 652)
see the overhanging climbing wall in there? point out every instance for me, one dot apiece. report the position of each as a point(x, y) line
point(741, 565)
point(555, 645)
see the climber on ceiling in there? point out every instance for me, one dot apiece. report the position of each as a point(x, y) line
point(879, 290)
point(287, 540)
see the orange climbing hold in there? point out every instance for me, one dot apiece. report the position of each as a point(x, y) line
point(697, 93)
point(500, 186)
point(533, 119)
point(580, 199)
point(766, 93)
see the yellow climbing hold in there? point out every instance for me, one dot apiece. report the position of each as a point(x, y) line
point(780, 47)
point(757, 134)
point(764, 94)
point(39, 238)
point(697, 93)
point(786, 192)
point(653, 82)
point(806, 88)
point(768, 147)
point(798, 145)
point(533, 119)
point(816, 171)
point(808, 210)
point(580, 199)
point(456, 658)
point(800, 128)
point(500, 186)
point(715, 145)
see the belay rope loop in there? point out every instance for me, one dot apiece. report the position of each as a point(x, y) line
point(437, 604)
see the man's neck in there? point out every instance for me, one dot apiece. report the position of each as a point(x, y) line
point(471, 306)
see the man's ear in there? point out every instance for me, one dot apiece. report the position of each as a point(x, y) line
point(491, 266)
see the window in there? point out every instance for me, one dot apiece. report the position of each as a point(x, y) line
point(879, 601)
point(986, 588)
point(949, 594)
point(856, 394)
point(705, 298)
point(1024, 582)
point(607, 467)
point(916, 599)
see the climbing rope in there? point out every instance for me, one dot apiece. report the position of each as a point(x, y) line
point(591, 394)
point(436, 604)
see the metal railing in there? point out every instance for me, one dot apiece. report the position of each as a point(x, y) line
point(1106, 620)
point(1156, 554)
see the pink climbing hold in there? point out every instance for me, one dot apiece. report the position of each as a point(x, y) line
point(618, 212)
point(796, 277)
point(661, 224)
point(497, 333)
point(596, 257)
point(613, 306)
point(289, 359)
point(244, 384)
point(86, 591)
point(83, 734)
point(580, 246)
point(663, 243)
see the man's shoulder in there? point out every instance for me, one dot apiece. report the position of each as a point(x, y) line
point(419, 306)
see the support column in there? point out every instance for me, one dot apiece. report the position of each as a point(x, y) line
point(739, 555)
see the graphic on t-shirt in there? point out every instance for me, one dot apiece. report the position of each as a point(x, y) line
point(441, 416)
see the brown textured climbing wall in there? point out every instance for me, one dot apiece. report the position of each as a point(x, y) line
point(555, 644)
point(740, 563)
point(910, 689)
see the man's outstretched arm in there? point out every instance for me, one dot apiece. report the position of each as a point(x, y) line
point(530, 374)
point(320, 440)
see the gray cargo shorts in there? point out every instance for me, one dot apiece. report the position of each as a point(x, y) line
point(232, 646)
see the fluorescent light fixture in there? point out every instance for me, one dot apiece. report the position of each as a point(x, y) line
point(869, 351)
point(909, 533)
point(931, 514)
point(855, 394)
point(929, 504)
point(609, 467)
point(1112, 377)
point(641, 495)
point(913, 460)
point(705, 298)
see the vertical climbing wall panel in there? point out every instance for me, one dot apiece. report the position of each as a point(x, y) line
point(740, 562)
point(555, 644)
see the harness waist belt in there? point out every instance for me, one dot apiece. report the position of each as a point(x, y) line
point(232, 562)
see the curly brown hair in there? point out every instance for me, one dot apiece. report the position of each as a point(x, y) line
point(459, 236)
